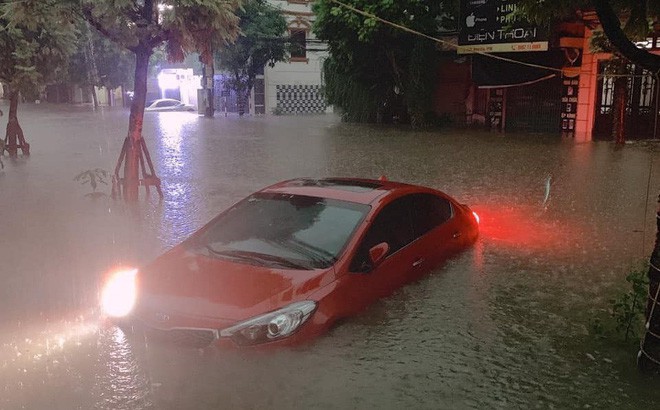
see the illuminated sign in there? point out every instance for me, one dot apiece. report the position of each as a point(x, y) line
point(493, 26)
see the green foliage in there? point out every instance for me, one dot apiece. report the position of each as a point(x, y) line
point(36, 39)
point(93, 177)
point(422, 75)
point(624, 317)
point(542, 12)
point(357, 101)
point(184, 26)
point(628, 308)
point(377, 72)
point(100, 62)
point(637, 16)
point(262, 27)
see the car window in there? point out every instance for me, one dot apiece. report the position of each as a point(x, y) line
point(167, 103)
point(429, 212)
point(392, 225)
point(298, 228)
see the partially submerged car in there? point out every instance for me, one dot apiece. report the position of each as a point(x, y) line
point(168, 104)
point(284, 264)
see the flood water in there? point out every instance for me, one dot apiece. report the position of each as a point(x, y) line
point(503, 325)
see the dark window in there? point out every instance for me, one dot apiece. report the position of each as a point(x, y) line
point(429, 211)
point(392, 225)
point(298, 40)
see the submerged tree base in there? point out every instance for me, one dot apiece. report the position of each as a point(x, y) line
point(124, 185)
point(14, 139)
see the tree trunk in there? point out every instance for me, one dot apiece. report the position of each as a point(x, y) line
point(241, 100)
point(92, 69)
point(209, 87)
point(131, 176)
point(619, 110)
point(14, 138)
point(95, 98)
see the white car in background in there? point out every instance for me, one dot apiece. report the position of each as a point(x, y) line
point(168, 104)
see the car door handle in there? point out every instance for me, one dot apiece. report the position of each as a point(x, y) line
point(418, 262)
point(456, 235)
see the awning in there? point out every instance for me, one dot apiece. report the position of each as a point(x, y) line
point(488, 72)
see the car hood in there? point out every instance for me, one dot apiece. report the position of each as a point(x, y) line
point(189, 289)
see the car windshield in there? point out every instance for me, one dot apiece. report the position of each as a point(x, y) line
point(290, 231)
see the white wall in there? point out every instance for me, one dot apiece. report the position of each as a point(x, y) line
point(299, 80)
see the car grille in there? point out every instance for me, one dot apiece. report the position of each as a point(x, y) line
point(184, 337)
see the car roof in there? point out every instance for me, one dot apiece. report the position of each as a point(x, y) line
point(359, 190)
point(164, 99)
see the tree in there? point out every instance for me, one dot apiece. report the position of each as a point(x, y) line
point(260, 43)
point(36, 41)
point(98, 62)
point(184, 26)
point(375, 72)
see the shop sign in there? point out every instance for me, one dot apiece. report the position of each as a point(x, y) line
point(494, 26)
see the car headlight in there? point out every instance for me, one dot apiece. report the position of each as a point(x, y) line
point(271, 326)
point(119, 293)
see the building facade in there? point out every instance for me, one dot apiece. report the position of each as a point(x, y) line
point(294, 87)
point(291, 87)
point(565, 89)
point(596, 92)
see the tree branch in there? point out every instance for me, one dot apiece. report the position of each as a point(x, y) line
point(98, 25)
point(612, 28)
point(159, 37)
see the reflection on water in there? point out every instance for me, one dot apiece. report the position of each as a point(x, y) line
point(496, 327)
point(120, 381)
point(172, 126)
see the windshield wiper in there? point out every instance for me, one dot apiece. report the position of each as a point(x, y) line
point(261, 258)
point(316, 255)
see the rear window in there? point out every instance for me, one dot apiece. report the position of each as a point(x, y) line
point(342, 184)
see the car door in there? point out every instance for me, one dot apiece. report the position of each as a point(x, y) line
point(169, 105)
point(437, 231)
point(393, 225)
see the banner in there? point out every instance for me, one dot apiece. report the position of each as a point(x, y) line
point(492, 26)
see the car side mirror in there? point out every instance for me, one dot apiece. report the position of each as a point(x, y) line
point(377, 253)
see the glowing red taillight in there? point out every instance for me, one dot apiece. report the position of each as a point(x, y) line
point(476, 217)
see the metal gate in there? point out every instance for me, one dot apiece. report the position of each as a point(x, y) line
point(224, 96)
point(535, 107)
point(641, 105)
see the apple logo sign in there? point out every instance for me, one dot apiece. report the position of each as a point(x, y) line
point(469, 21)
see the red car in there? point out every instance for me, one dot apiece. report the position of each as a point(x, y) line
point(282, 265)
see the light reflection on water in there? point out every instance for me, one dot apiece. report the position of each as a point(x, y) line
point(488, 330)
point(120, 381)
point(171, 126)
